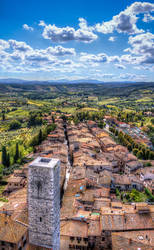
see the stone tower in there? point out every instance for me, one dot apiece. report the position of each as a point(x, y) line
point(44, 202)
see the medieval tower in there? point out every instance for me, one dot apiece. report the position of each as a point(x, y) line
point(44, 203)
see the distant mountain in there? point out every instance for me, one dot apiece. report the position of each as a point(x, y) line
point(63, 81)
point(20, 81)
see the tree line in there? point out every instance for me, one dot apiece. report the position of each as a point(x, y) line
point(139, 150)
point(7, 161)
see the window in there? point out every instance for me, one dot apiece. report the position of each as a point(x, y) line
point(71, 238)
point(103, 238)
point(3, 243)
point(40, 219)
point(78, 239)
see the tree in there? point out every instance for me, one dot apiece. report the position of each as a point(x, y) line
point(4, 156)
point(151, 155)
point(149, 194)
point(14, 125)
point(1, 171)
point(101, 124)
point(139, 155)
point(8, 160)
point(16, 156)
point(40, 137)
point(3, 116)
point(35, 119)
point(135, 151)
point(129, 146)
point(53, 119)
point(152, 120)
point(116, 132)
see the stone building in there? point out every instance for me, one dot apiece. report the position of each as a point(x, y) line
point(15, 183)
point(44, 203)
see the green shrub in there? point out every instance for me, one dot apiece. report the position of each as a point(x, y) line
point(14, 125)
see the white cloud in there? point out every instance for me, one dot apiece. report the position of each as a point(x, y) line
point(42, 23)
point(141, 67)
point(120, 66)
point(26, 27)
point(22, 57)
point(114, 59)
point(147, 18)
point(134, 77)
point(126, 20)
point(4, 44)
point(143, 47)
point(112, 38)
point(65, 34)
point(99, 58)
point(20, 46)
point(61, 51)
point(139, 7)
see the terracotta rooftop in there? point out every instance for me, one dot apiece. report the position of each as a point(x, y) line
point(74, 228)
point(14, 179)
point(126, 218)
point(10, 230)
point(144, 237)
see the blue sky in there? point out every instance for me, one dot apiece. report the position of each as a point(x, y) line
point(50, 40)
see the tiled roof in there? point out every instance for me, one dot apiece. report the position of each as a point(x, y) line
point(74, 228)
point(10, 230)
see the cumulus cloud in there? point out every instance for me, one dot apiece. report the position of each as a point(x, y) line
point(61, 51)
point(65, 34)
point(126, 20)
point(120, 66)
point(27, 27)
point(142, 46)
point(147, 18)
point(17, 55)
point(95, 59)
point(20, 46)
point(139, 7)
point(4, 44)
point(99, 58)
point(112, 38)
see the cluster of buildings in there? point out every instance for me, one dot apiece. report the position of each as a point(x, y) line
point(92, 166)
point(55, 146)
point(17, 180)
point(91, 215)
point(136, 133)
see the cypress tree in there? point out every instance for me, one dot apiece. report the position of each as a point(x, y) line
point(3, 116)
point(4, 156)
point(16, 156)
point(8, 160)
